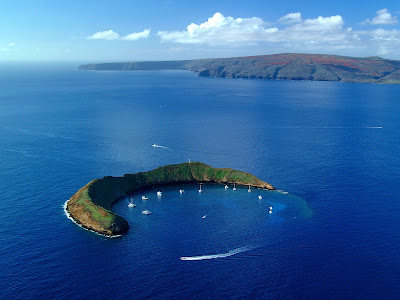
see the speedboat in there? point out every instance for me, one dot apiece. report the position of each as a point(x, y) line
point(203, 217)
point(184, 258)
point(146, 212)
point(157, 146)
point(259, 197)
point(159, 194)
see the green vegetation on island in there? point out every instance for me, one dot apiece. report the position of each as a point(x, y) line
point(287, 66)
point(91, 205)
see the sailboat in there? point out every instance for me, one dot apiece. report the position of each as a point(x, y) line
point(131, 203)
point(200, 190)
point(249, 190)
point(234, 187)
point(226, 186)
point(159, 194)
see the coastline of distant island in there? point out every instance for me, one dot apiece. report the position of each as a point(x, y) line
point(286, 66)
point(90, 207)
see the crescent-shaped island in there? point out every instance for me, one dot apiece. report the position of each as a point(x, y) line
point(90, 207)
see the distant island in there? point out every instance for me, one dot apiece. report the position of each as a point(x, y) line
point(287, 66)
point(90, 207)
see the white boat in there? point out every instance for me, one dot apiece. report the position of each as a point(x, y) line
point(270, 208)
point(159, 194)
point(259, 197)
point(234, 187)
point(145, 198)
point(270, 211)
point(226, 187)
point(181, 191)
point(249, 190)
point(157, 146)
point(200, 190)
point(203, 217)
point(146, 212)
point(131, 204)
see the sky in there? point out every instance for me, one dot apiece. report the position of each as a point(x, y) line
point(122, 30)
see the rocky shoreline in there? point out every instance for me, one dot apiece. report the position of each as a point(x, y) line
point(90, 207)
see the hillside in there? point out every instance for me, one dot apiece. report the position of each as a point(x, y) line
point(289, 66)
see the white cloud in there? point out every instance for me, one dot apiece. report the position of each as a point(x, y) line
point(112, 35)
point(383, 17)
point(291, 18)
point(137, 35)
point(104, 35)
point(11, 44)
point(321, 23)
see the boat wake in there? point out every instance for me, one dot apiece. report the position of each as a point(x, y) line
point(222, 255)
point(158, 146)
point(282, 192)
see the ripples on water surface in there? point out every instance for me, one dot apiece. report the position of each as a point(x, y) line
point(334, 147)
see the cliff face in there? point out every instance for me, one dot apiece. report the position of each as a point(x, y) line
point(287, 66)
point(91, 205)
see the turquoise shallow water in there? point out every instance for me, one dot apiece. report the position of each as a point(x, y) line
point(334, 147)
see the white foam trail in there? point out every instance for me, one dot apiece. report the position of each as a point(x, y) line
point(222, 255)
point(158, 146)
point(282, 192)
point(329, 127)
point(72, 219)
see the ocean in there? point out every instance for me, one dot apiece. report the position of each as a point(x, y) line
point(331, 150)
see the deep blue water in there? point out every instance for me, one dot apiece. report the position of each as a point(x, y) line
point(334, 235)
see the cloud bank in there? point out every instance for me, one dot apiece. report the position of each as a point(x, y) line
point(289, 33)
point(225, 30)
